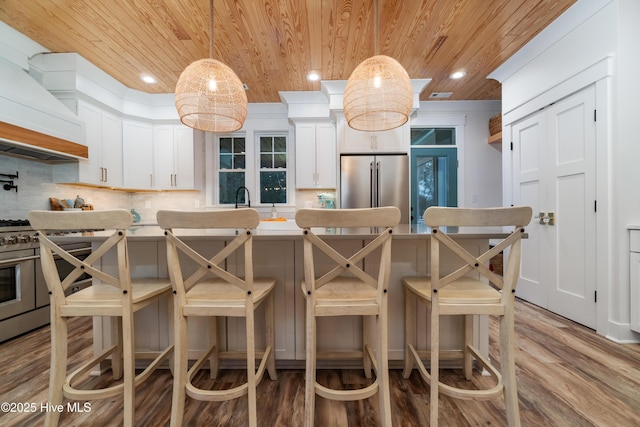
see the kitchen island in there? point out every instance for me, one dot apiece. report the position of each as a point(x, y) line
point(278, 253)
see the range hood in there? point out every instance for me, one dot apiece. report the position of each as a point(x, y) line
point(33, 122)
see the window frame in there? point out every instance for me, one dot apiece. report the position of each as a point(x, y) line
point(273, 154)
point(252, 167)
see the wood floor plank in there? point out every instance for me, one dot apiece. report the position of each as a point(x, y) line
point(567, 376)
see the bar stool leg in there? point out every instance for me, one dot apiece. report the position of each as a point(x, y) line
point(468, 342)
point(409, 331)
point(129, 370)
point(180, 370)
point(58, 369)
point(310, 380)
point(271, 336)
point(508, 368)
point(214, 360)
point(383, 372)
point(366, 343)
point(435, 363)
point(251, 366)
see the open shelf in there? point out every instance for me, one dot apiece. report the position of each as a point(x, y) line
point(495, 139)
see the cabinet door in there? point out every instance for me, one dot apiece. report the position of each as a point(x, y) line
point(305, 155)
point(326, 158)
point(183, 162)
point(137, 141)
point(89, 171)
point(104, 141)
point(163, 156)
point(173, 157)
point(111, 149)
point(315, 155)
point(356, 141)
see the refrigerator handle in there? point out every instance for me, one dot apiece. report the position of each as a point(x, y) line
point(372, 189)
point(377, 193)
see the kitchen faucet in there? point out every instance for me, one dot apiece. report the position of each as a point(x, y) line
point(242, 187)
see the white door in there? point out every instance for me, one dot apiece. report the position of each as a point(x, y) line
point(529, 136)
point(555, 173)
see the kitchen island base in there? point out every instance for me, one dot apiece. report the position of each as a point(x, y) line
point(279, 255)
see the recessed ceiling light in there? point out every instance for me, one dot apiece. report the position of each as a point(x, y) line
point(313, 76)
point(458, 74)
point(148, 79)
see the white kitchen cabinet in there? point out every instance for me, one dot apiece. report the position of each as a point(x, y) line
point(104, 141)
point(137, 143)
point(315, 155)
point(173, 157)
point(356, 141)
point(634, 276)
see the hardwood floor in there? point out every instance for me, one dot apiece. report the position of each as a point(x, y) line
point(567, 376)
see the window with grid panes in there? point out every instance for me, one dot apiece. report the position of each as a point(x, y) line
point(231, 174)
point(273, 169)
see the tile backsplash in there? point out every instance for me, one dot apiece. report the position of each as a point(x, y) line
point(31, 181)
point(36, 186)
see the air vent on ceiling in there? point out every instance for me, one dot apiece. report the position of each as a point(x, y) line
point(440, 95)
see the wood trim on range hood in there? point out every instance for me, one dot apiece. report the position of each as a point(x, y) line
point(26, 137)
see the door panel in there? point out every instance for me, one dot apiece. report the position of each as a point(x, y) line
point(572, 196)
point(528, 138)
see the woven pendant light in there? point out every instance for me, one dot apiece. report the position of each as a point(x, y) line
point(378, 95)
point(209, 95)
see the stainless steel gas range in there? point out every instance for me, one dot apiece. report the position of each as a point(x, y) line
point(24, 297)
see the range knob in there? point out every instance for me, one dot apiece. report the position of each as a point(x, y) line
point(3, 241)
point(12, 240)
point(24, 238)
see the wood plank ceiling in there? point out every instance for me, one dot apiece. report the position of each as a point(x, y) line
point(273, 44)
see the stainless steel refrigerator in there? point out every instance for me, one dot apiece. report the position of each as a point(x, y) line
point(372, 180)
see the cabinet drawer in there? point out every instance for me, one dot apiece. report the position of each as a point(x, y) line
point(634, 240)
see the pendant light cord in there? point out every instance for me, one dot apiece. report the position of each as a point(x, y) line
point(211, 29)
point(376, 28)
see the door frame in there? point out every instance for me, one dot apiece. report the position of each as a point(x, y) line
point(607, 256)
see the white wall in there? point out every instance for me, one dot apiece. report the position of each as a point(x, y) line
point(626, 151)
point(601, 49)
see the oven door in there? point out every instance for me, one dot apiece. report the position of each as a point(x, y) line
point(81, 250)
point(17, 284)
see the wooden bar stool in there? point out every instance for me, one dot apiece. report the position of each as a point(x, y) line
point(460, 293)
point(115, 295)
point(346, 289)
point(211, 291)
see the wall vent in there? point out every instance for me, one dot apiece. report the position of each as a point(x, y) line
point(440, 95)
